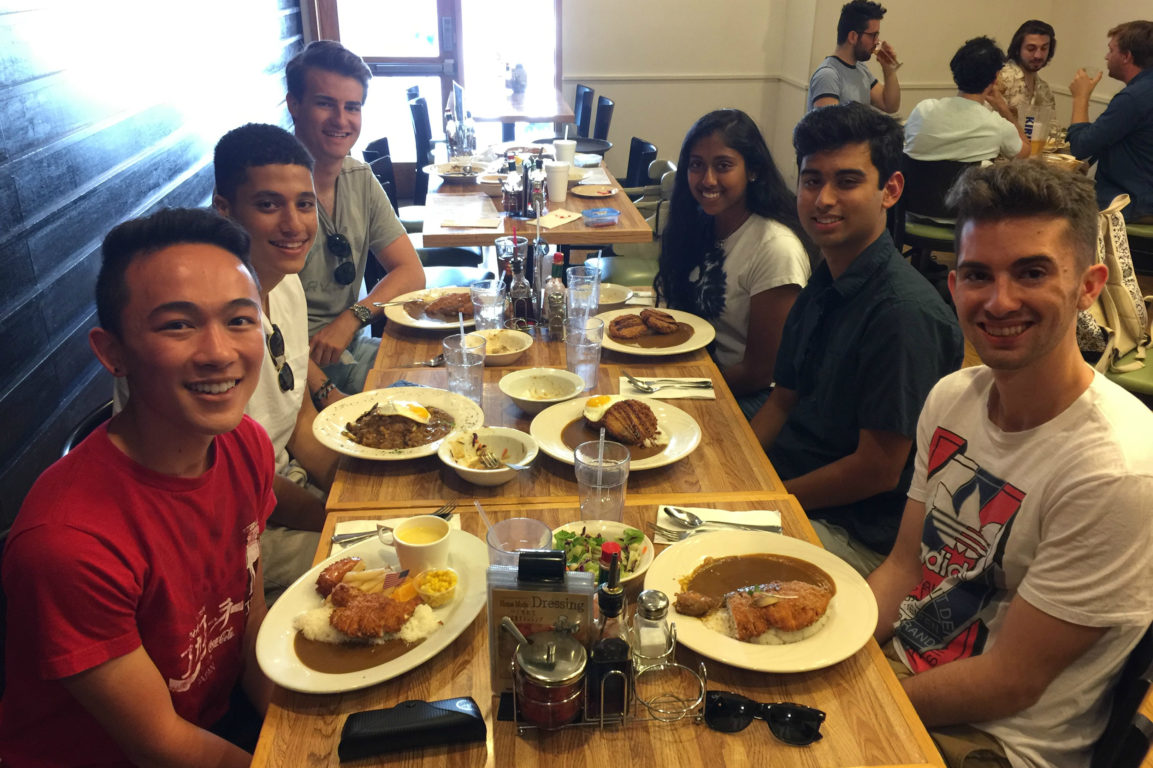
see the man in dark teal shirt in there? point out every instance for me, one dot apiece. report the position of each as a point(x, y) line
point(1121, 139)
point(865, 341)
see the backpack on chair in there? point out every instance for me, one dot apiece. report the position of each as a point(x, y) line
point(1118, 322)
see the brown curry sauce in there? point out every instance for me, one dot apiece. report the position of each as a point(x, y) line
point(717, 576)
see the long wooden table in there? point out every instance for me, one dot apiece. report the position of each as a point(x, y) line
point(467, 201)
point(870, 720)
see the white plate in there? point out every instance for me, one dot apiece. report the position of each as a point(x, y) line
point(703, 334)
point(612, 530)
point(451, 173)
point(595, 190)
point(852, 611)
point(396, 313)
point(274, 643)
point(329, 424)
point(683, 431)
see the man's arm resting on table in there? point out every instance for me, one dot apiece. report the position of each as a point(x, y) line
point(875, 467)
point(129, 698)
point(296, 507)
point(317, 459)
point(898, 574)
point(1032, 649)
point(767, 422)
point(405, 274)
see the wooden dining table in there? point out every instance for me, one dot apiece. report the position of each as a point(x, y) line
point(537, 104)
point(467, 202)
point(870, 721)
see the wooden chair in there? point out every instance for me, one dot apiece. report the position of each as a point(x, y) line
point(920, 218)
point(1126, 738)
point(604, 118)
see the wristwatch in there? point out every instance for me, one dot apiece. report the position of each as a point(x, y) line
point(363, 314)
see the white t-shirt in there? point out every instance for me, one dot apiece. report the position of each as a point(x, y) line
point(762, 254)
point(271, 408)
point(1059, 515)
point(956, 128)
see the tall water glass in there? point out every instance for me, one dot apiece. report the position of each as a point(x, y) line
point(601, 476)
point(582, 346)
point(487, 304)
point(464, 363)
point(584, 288)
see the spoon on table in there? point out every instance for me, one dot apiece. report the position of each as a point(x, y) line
point(692, 520)
point(649, 388)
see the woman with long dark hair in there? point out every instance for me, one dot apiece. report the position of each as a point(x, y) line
point(734, 252)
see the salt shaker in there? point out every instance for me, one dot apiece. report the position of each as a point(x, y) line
point(653, 638)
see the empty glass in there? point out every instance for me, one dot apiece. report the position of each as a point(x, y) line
point(583, 292)
point(464, 363)
point(487, 304)
point(582, 346)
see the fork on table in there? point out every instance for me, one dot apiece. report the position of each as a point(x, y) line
point(435, 362)
point(649, 387)
point(679, 534)
point(352, 538)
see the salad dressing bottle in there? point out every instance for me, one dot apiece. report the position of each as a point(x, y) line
point(610, 658)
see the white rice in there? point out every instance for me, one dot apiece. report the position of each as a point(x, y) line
point(721, 621)
point(316, 626)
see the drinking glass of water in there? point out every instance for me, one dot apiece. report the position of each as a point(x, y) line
point(583, 295)
point(487, 304)
point(464, 362)
point(582, 344)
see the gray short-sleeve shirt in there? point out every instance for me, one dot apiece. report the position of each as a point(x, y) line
point(847, 83)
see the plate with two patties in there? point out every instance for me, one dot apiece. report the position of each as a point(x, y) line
point(681, 430)
point(702, 334)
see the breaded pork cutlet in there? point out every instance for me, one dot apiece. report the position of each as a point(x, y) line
point(784, 605)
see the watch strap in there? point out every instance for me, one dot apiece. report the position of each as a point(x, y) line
point(363, 314)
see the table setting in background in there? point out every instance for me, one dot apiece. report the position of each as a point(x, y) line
point(593, 483)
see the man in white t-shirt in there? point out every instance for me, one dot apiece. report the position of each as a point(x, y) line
point(960, 127)
point(1022, 575)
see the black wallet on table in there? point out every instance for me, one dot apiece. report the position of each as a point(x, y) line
point(409, 725)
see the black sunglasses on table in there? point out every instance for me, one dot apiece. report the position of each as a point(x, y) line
point(276, 348)
point(793, 724)
point(338, 244)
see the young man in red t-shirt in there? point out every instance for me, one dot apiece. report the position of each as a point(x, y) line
point(130, 570)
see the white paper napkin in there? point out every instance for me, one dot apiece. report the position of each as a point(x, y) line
point(594, 176)
point(750, 517)
point(367, 526)
point(671, 393)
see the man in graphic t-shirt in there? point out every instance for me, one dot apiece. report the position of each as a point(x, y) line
point(1022, 575)
point(132, 571)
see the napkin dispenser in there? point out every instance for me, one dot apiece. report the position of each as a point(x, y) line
point(411, 725)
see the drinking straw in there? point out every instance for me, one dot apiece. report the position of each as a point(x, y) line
point(566, 132)
point(460, 319)
point(600, 456)
point(483, 516)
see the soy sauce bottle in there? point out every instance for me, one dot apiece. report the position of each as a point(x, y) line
point(610, 658)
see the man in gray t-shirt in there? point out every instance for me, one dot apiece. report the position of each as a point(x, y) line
point(843, 77)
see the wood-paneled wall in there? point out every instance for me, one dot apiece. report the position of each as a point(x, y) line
point(109, 109)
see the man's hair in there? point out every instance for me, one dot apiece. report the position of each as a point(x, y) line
point(252, 146)
point(830, 128)
point(1031, 27)
point(327, 55)
point(975, 64)
point(855, 17)
point(1136, 38)
point(140, 237)
point(1027, 189)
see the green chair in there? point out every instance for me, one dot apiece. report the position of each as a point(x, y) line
point(1141, 244)
point(1139, 382)
point(920, 218)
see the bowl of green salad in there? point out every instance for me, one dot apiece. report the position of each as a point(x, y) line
point(582, 540)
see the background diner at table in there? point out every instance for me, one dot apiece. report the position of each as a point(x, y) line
point(716, 319)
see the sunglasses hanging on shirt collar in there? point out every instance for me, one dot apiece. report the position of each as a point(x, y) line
point(283, 370)
point(793, 724)
point(339, 246)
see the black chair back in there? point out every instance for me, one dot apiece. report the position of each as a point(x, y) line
point(926, 183)
point(605, 107)
point(641, 153)
point(1125, 740)
point(375, 150)
point(583, 110)
point(384, 173)
point(89, 423)
point(422, 134)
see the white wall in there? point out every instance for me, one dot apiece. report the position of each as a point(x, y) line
point(667, 62)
